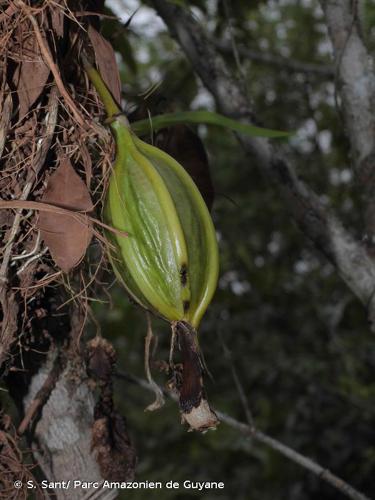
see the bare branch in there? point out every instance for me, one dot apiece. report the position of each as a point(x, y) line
point(278, 61)
point(253, 433)
point(298, 458)
point(237, 381)
point(316, 220)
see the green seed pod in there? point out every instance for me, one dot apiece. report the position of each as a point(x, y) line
point(168, 262)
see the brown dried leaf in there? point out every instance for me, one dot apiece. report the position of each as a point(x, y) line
point(66, 238)
point(6, 218)
point(6, 106)
point(8, 13)
point(87, 162)
point(106, 60)
point(57, 19)
point(31, 75)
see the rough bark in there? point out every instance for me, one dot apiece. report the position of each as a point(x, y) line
point(356, 78)
point(67, 414)
point(61, 439)
point(355, 75)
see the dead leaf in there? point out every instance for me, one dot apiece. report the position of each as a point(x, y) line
point(106, 60)
point(87, 162)
point(31, 74)
point(6, 218)
point(8, 13)
point(57, 19)
point(6, 106)
point(66, 238)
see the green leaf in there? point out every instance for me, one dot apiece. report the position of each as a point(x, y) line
point(207, 117)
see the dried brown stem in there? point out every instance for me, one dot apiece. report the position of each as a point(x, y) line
point(195, 409)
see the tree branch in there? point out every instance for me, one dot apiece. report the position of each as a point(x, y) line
point(277, 60)
point(316, 220)
point(355, 73)
point(298, 458)
point(253, 433)
point(356, 86)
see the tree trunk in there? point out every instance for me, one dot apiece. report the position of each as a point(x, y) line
point(62, 388)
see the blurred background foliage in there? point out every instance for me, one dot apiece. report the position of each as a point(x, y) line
point(298, 338)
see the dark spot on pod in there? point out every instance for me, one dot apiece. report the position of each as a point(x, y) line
point(183, 274)
point(186, 305)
